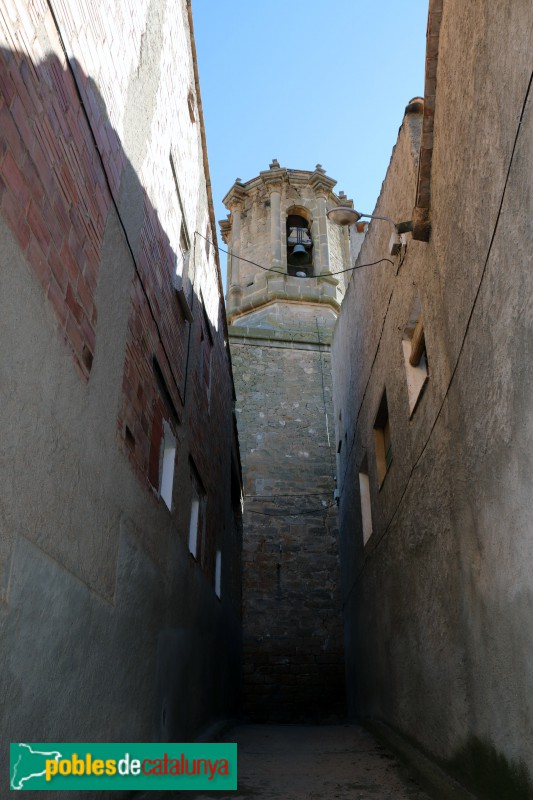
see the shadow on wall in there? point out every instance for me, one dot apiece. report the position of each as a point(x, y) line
point(481, 767)
point(62, 171)
point(63, 168)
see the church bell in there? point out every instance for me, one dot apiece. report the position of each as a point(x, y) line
point(299, 256)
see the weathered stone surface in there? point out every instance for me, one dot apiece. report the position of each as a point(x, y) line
point(280, 335)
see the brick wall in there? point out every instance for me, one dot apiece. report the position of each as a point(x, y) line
point(53, 191)
point(62, 162)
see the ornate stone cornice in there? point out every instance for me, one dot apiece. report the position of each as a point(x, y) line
point(225, 229)
point(236, 195)
point(280, 287)
point(274, 177)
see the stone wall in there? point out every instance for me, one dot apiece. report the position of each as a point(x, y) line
point(438, 627)
point(280, 336)
point(102, 165)
point(293, 659)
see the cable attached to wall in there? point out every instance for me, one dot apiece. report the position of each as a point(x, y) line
point(111, 195)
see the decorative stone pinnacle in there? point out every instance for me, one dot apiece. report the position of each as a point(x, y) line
point(343, 197)
point(320, 181)
point(274, 164)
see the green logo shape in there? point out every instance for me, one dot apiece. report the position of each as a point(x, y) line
point(68, 766)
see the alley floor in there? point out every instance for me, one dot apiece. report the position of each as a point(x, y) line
point(301, 762)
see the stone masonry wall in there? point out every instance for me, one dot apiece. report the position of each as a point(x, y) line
point(293, 660)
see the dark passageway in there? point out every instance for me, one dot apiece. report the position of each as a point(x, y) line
point(323, 762)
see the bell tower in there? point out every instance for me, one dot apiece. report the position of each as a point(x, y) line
point(278, 221)
point(284, 293)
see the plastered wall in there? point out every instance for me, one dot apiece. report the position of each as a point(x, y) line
point(111, 629)
point(437, 604)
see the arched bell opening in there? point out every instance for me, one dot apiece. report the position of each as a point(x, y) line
point(299, 243)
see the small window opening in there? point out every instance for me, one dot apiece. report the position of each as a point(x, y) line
point(193, 522)
point(299, 246)
point(366, 507)
point(415, 356)
point(382, 439)
point(167, 466)
point(164, 392)
point(218, 572)
point(197, 516)
point(87, 358)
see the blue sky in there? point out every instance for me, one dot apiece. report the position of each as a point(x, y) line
point(307, 82)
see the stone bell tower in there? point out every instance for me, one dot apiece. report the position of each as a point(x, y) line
point(283, 298)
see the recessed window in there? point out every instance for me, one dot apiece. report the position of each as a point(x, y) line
point(165, 393)
point(163, 440)
point(167, 466)
point(415, 356)
point(382, 439)
point(193, 522)
point(366, 508)
point(197, 516)
point(218, 572)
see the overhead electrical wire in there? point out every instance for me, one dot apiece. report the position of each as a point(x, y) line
point(277, 271)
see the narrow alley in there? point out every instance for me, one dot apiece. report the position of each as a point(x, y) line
point(308, 762)
point(266, 458)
